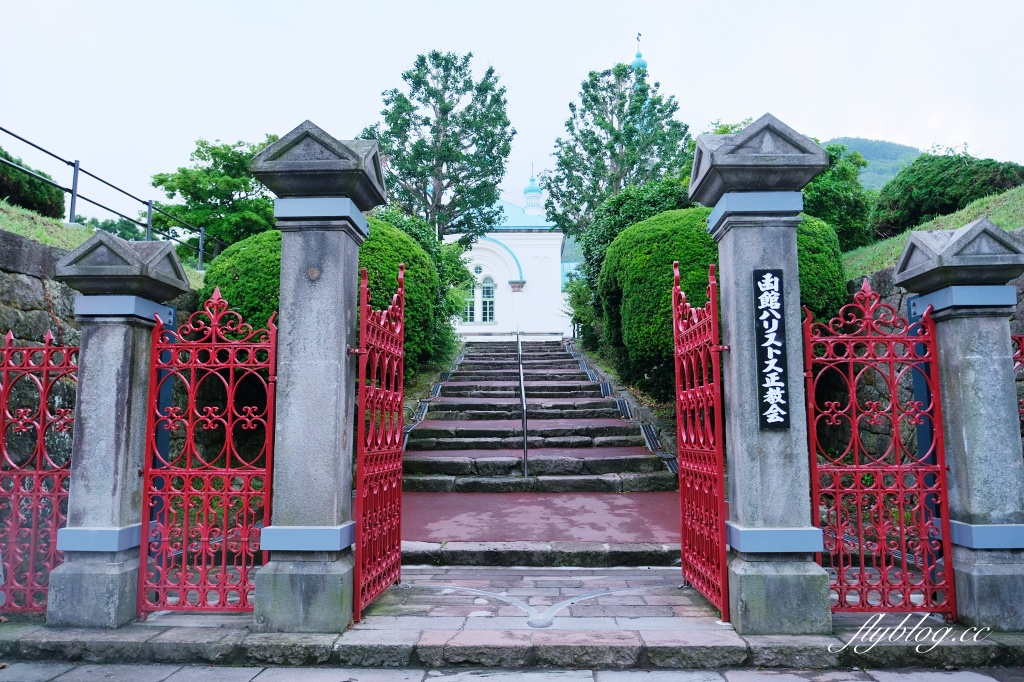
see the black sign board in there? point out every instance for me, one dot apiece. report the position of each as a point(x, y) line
point(770, 336)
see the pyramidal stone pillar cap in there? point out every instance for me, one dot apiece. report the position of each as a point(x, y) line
point(766, 156)
point(978, 253)
point(108, 265)
point(307, 162)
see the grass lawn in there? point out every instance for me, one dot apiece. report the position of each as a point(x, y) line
point(1005, 210)
point(54, 232)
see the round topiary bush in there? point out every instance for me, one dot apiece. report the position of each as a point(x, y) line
point(249, 276)
point(635, 287)
point(380, 255)
point(635, 292)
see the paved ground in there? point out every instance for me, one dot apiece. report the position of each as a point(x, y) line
point(533, 619)
point(541, 517)
point(65, 672)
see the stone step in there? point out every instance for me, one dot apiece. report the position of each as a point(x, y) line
point(542, 462)
point(514, 411)
point(478, 365)
point(506, 428)
point(513, 374)
point(512, 442)
point(534, 389)
point(626, 482)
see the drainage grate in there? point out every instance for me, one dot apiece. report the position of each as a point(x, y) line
point(624, 411)
point(606, 388)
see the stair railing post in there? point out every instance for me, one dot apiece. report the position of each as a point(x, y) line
point(522, 401)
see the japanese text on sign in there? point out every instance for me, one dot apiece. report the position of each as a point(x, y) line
point(770, 335)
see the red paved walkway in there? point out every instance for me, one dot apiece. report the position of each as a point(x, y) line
point(541, 517)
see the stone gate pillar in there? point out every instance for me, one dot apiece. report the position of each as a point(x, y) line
point(753, 179)
point(323, 186)
point(963, 275)
point(122, 284)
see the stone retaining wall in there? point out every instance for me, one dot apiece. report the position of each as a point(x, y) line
point(31, 301)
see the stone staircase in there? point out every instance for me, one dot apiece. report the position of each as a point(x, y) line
point(471, 438)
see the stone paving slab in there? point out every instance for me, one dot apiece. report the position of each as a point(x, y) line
point(64, 672)
point(444, 617)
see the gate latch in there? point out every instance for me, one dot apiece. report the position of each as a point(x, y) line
point(357, 351)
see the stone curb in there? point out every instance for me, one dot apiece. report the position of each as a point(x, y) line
point(539, 554)
point(395, 648)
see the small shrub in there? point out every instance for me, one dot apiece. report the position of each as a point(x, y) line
point(21, 189)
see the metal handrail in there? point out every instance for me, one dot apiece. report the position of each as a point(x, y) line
point(522, 401)
point(75, 195)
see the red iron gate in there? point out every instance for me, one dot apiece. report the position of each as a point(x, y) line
point(378, 508)
point(879, 494)
point(701, 458)
point(37, 398)
point(1018, 365)
point(207, 486)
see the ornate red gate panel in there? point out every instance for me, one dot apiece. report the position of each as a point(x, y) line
point(37, 400)
point(378, 508)
point(207, 486)
point(878, 472)
point(701, 458)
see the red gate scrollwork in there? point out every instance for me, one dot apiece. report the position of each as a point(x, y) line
point(1018, 365)
point(207, 486)
point(37, 398)
point(378, 508)
point(878, 494)
point(701, 458)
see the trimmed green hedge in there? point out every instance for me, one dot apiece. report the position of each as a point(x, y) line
point(935, 185)
point(249, 276)
point(380, 255)
point(21, 189)
point(635, 287)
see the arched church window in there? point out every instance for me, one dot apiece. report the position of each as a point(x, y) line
point(487, 300)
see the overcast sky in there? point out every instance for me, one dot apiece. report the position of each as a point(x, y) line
point(127, 87)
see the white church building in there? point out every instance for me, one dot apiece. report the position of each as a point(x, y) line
point(519, 272)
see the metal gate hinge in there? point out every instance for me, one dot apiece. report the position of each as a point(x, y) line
point(720, 348)
point(357, 351)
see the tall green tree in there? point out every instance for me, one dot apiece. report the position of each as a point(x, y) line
point(446, 140)
point(219, 193)
point(622, 132)
point(122, 227)
point(838, 197)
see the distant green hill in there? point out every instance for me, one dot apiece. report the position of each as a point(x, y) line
point(1005, 210)
point(885, 159)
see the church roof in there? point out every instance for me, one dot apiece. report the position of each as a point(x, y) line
point(517, 219)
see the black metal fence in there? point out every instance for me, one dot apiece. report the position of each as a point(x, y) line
point(148, 226)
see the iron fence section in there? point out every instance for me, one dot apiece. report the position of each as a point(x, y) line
point(379, 439)
point(878, 494)
point(701, 456)
point(207, 492)
point(37, 398)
